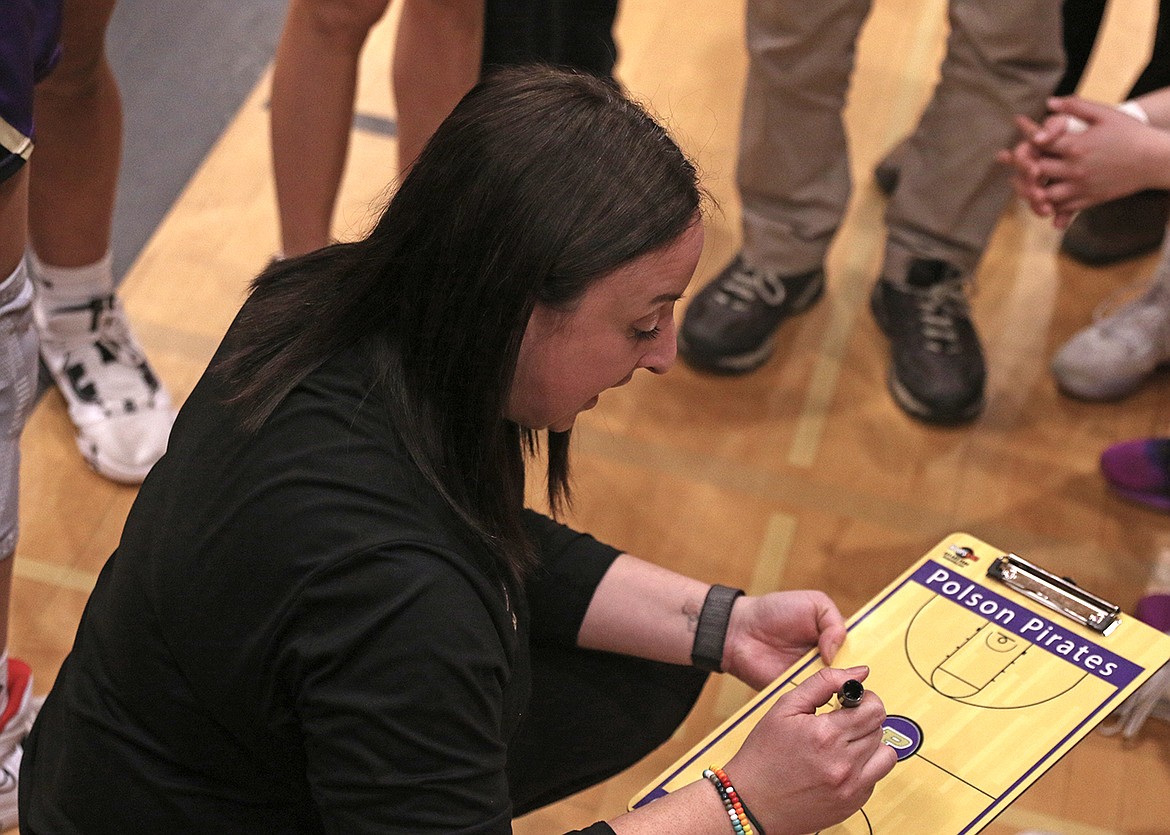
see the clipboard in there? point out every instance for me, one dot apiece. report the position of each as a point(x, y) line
point(990, 668)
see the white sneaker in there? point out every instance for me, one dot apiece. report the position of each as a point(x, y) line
point(120, 408)
point(1111, 357)
point(18, 720)
point(1150, 701)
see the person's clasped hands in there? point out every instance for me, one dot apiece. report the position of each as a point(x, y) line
point(1083, 154)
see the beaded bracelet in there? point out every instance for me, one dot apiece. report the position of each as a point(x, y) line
point(726, 782)
point(739, 821)
point(742, 821)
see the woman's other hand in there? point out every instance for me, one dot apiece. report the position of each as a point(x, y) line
point(768, 634)
point(800, 772)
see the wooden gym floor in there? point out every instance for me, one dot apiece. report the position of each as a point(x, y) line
point(803, 474)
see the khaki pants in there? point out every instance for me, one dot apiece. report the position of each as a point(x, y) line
point(1003, 57)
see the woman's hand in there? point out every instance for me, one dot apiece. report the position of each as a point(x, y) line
point(768, 634)
point(799, 772)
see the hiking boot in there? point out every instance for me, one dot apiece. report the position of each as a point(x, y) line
point(1114, 355)
point(730, 325)
point(936, 370)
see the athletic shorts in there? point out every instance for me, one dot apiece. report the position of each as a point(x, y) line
point(18, 388)
point(30, 32)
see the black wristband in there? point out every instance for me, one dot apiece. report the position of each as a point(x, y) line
point(711, 631)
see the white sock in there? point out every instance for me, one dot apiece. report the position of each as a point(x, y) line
point(71, 285)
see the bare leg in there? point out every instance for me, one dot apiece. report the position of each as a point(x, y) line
point(117, 402)
point(74, 176)
point(436, 61)
point(313, 86)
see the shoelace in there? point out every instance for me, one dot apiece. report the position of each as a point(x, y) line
point(114, 334)
point(749, 286)
point(940, 305)
point(107, 328)
point(132, 386)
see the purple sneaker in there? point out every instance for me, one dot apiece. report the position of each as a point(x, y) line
point(1140, 471)
point(1154, 609)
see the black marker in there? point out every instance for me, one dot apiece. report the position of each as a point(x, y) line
point(850, 693)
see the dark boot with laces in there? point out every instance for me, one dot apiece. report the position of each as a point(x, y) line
point(936, 369)
point(730, 325)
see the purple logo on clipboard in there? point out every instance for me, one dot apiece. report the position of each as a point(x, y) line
point(903, 735)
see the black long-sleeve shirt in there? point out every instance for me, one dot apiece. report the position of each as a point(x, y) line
point(293, 636)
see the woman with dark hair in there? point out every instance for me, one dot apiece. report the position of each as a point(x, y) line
point(330, 611)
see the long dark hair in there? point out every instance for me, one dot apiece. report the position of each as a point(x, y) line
point(539, 183)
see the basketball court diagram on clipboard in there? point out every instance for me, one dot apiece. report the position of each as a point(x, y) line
point(987, 683)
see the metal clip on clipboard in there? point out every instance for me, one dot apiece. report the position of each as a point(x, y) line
point(1056, 593)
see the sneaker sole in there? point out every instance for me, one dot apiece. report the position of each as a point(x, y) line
point(1157, 501)
point(917, 409)
point(729, 365)
point(742, 363)
point(1113, 390)
point(1097, 395)
point(114, 472)
point(1092, 256)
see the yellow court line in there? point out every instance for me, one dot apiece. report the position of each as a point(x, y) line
point(1023, 324)
point(797, 491)
point(773, 556)
point(59, 576)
